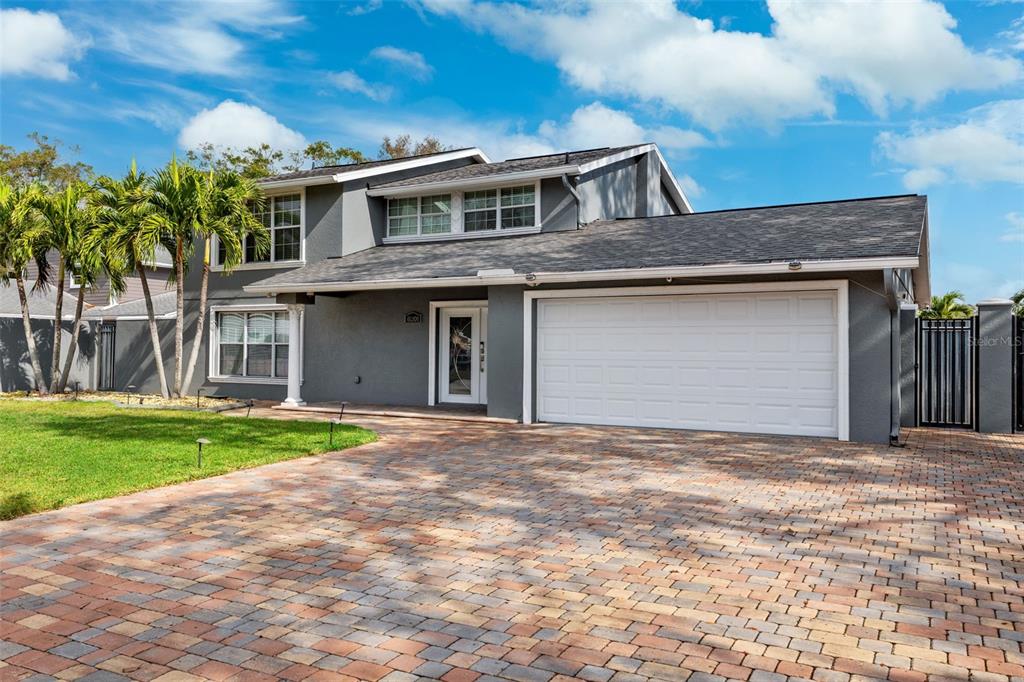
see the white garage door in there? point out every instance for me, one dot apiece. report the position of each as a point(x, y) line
point(761, 363)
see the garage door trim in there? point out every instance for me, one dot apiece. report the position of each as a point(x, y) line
point(840, 286)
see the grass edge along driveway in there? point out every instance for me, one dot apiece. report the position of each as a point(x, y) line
point(53, 454)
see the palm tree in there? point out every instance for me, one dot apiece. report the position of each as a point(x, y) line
point(229, 205)
point(123, 228)
point(22, 241)
point(89, 260)
point(949, 306)
point(176, 198)
point(66, 216)
point(1018, 303)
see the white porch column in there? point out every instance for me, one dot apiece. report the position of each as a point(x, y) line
point(294, 398)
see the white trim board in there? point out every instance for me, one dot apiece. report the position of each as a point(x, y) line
point(625, 274)
point(434, 307)
point(840, 286)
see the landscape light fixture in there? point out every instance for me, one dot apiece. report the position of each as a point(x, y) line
point(78, 387)
point(795, 265)
point(334, 422)
point(128, 396)
point(201, 442)
point(248, 404)
point(341, 415)
point(199, 392)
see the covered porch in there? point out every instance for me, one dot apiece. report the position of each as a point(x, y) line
point(465, 413)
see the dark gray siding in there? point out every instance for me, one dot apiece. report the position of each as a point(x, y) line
point(609, 192)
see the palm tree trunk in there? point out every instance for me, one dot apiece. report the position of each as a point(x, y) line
point(73, 348)
point(58, 327)
point(154, 335)
point(179, 323)
point(30, 341)
point(200, 323)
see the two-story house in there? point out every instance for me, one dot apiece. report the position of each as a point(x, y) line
point(577, 287)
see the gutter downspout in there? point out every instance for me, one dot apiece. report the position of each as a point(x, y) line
point(895, 393)
point(576, 195)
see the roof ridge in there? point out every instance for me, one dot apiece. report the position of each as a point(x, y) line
point(397, 158)
point(562, 153)
point(798, 203)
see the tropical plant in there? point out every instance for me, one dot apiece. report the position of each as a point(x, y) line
point(65, 215)
point(1018, 303)
point(403, 146)
point(263, 160)
point(176, 200)
point(949, 306)
point(21, 242)
point(130, 241)
point(229, 206)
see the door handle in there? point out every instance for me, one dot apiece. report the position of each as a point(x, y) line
point(483, 355)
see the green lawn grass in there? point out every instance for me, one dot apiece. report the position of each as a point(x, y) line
point(54, 454)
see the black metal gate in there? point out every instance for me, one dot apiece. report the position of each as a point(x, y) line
point(1018, 374)
point(106, 378)
point(946, 372)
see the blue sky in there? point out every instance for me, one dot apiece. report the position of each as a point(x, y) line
point(752, 103)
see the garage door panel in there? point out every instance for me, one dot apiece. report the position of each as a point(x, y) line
point(764, 363)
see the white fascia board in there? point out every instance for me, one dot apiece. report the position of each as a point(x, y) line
point(467, 183)
point(615, 158)
point(673, 185)
point(377, 170)
point(623, 274)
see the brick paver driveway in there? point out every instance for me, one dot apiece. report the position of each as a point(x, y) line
point(462, 551)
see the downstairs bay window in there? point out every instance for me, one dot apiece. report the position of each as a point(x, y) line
point(249, 345)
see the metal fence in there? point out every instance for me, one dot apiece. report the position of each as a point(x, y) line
point(1018, 374)
point(947, 372)
point(106, 369)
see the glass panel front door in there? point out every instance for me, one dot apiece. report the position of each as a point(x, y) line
point(463, 334)
point(460, 355)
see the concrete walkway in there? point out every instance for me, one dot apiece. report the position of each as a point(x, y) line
point(466, 551)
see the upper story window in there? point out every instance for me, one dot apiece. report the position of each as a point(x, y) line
point(427, 215)
point(476, 211)
point(283, 216)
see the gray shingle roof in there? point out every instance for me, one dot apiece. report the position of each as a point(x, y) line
point(41, 302)
point(860, 228)
point(346, 167)
point(163, 304)
point(530, 163)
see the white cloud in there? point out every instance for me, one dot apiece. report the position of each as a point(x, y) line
point(412, 63)
point(885, 53)
point(1015, 232)
point(593, 125)
point(37, 44)
point(352, 82)
point(690, 186)
point(194, 37)
point(366, 8)
point(236, 125)
point(987, 146)
point(596, 125)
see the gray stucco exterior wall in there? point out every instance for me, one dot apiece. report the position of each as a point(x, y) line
point(16, 368)
point(505, 352)
point(870, 393)
point(324, 207)
point(995, 367)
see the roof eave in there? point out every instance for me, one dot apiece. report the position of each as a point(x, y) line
point(414, 162)
point(620, 274)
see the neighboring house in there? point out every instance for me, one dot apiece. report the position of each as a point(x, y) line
point(100, 293)
point(577, 287)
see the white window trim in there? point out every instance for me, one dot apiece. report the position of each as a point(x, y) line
point(840, 286)
point(213, 357)
point(272, 264)
point(458, 216)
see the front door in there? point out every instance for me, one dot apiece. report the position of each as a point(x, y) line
point(463, 355)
